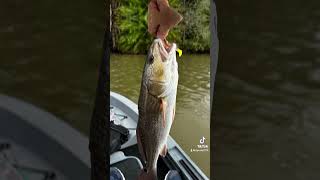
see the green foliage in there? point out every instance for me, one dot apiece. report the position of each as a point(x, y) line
point(131, 19)
point(192, 34)
point(197, 33)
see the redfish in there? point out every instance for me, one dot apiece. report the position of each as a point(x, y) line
point(157, 102)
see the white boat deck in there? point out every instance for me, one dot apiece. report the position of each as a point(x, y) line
point(122, 106)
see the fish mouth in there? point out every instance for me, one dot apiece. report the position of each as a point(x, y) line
point(162, 45)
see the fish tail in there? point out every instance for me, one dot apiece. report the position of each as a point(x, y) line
point(148, 175)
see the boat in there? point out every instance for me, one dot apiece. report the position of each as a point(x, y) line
point(34, 144)
point(124, 113)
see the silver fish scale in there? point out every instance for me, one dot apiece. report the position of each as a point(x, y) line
point(152, 133)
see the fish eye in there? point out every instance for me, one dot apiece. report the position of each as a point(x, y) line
point(151, 58)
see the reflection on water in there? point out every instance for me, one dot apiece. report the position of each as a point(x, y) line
point(50, 51)
point(267, 98)
point(193, 97)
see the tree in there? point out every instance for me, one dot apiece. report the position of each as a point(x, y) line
point(114, 4)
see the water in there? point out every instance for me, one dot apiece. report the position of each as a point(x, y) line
point(50, 53)
point(267, 97)
point(192, 120)
point(266, 123)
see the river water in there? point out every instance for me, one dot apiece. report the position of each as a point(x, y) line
point(192, 120)
point(267, 98)
point(50, 55)
point(266, 102)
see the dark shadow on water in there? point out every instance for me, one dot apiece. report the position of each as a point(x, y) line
point(50, 52)
point(267, 96)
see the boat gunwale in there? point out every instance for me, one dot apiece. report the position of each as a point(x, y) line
point(51, 126)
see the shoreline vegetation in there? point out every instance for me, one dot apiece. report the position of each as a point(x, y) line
point(129, 34)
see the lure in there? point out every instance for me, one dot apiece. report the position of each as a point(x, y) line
point(179, 52)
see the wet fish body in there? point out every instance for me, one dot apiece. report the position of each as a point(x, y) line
point(156, 105)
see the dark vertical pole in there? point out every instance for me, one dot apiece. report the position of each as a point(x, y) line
point(184, 24)
point(214, 49)
point(114, 29)
point(99, 129)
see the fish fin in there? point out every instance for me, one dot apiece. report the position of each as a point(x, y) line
point(163, 105)
point(140, 146)
point(164, 150)
point(148, 175)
